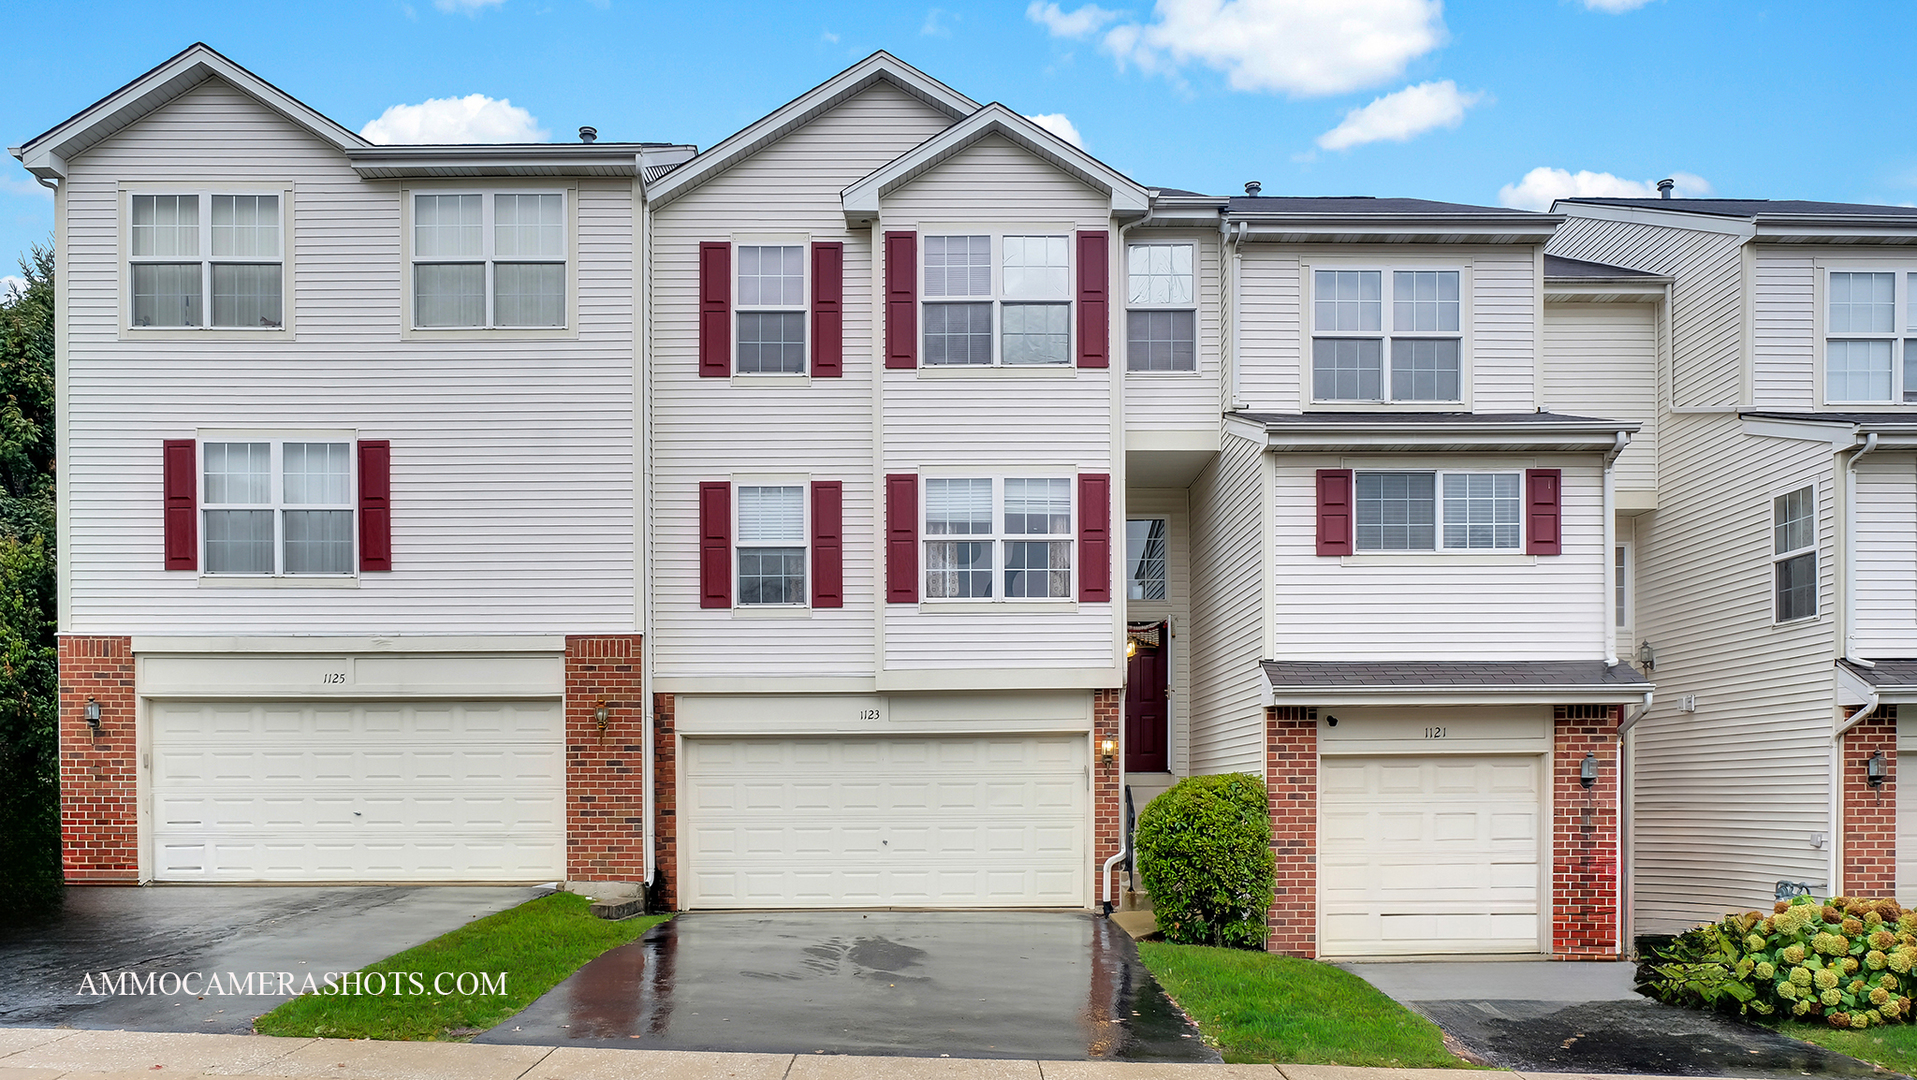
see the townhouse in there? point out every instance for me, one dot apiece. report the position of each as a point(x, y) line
point(1777, 598)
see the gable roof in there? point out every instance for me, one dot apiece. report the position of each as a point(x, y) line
point(881, 66)
point(861, 200)
point(45, 155)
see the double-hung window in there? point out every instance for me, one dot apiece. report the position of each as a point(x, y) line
point(771, 308)
point(989, 538)
point(1366, 347)
point(1161, 317)
point(1870, 346)
point(1794, 554)
point(278, 507)
point(1011, 311)
point(771, 545)
point(1438, 511)
point(187, 249)
point(489, 260)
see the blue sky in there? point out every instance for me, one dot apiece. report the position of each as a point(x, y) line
point(1460, 101)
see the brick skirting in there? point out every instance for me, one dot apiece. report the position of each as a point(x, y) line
point(1584, 834)
point(1291, 790)
point(605, 768)
point(1870, 813)
point(1108, 788)
point(665, 780)
point(99, 771)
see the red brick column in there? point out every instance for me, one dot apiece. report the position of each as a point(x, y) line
point(1108, 789)
point(1870, 813)
point(99, 771)
point(1584, 834)
point(665, 780)
point(605, 769)
point(1291, 790)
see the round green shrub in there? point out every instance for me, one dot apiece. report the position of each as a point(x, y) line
point(1204, 850)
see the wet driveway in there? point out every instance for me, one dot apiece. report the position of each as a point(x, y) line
point(71, 971)
point(1053, 986)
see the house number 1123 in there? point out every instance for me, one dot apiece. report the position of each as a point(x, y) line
point(1434, 733)
point(868, 714)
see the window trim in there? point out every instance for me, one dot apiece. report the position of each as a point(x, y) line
point(1902, 297)
point(1814, 550)
point(803, 242)
point(998, 537)
point(277, 438)
point(1437, 488)
point(285, 192)
point(997, 232)
point(410, 332)
point(741, 481)
point(1197, 275)
point(1307, 322)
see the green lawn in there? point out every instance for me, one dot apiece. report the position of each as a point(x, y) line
point(1894, 1046)
point(1256, 1007)
point(536, 945)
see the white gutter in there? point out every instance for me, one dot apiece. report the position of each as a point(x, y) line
point(1836, 843)
point(1850, 549)
point(1234, 383)
point(1610, 548)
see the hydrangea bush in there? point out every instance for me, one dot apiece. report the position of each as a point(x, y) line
point(1846, 961)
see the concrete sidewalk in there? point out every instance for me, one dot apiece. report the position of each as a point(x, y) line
point(51, 1053)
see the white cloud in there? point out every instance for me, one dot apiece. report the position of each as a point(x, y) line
point(828, 37)
point(470, 7)
point(1399, 116)
point(1543, 185)
point(935, 23)
point(11, 284)
point(1300, 47)
point(1057, 124)
point(1070, 24)
point(25, 185)
point(474, 118)
point(1615, 7)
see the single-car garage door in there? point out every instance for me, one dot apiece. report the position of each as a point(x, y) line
point(1431, 854)
point(887, 822)
point(348, 791)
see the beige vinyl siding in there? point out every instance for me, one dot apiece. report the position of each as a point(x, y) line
point(1271, 325)
point(712, 429)
point(1504, 330)
point(1178, 400)
point(512, 489)
point(1784, 345)
point(1172, 504)
point(1431, 606)
point(1601, 360)
point(995, 180)
point(1887, 556)
point(1707, 304)
point(1229, 594)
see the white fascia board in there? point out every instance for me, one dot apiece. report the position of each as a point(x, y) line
point(1249, 430)
point(44, 155)
point(1854, 689)
point(1837, 230)
point(530, 159)
point(861, 200)
point(1513, 438)
point(1306, 696)
point(800, 110)
point(1670, 219)
point(1838, 433)
point(157, 644)
point(1397, 228)
point(1605, 290)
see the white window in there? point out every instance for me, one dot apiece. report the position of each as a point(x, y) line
point(1009, 538)
point(1161, 317)
point(771, 545)
point(1439, 511)
point(1621, 582)
point(1794, 554)
point(1012, 312)
point(1870, 346)
point(184, 249)
point(278, 507)
point(771, 308)
point(1145, 559)
point(489, 260)
point(1364, 349)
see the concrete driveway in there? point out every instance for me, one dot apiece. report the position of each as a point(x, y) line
point(1054, 986)
point(46, 972)
point(1586, 1017)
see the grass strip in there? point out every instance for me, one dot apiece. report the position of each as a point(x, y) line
point(1894, 1046)
point(536, 945)
point(1258, 1008)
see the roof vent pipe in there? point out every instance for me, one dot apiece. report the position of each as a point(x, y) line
point(588, 134)
point(1664, 187)
point(1253, 187)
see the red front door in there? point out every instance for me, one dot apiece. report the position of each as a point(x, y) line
point(1146, 713)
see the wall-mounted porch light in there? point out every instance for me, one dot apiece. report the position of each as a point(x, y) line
point(602, 715)
point(1587, 772)
point(93, 714)
point(1107, 750)
point(1874, 770)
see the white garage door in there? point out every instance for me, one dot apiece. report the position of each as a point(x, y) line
point(905, 822)
point(301, 791)
point(1429, 854)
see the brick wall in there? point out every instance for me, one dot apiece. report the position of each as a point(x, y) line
point(1870, 813)
point(1108, 788)
point(99, 797)
point(1291, 789)
point(1584, 835)
point(665, 777)
point(605, 769)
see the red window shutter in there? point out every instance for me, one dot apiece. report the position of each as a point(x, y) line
point(715, 545)
point(902, 305)
point(1334, 512)
point(1094, 538)
point(1094, 299)
point(715, 310)
point(1544, 511)
point(180, 510)
point(828, 316)
point(375, 505)
point(902, 538)
point(828, 544)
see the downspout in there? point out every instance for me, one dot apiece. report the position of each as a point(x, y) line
point(1626, 850)
point(1835, 883)
point(649, 822)
point(1850, 549)
point(1124, 849)
point(1610, 548)
point(1235, 234)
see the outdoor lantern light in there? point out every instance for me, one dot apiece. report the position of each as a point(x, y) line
point(93, 714)
point(1107, 748)
point(1874, 770)
point(1131, 647)
point(602, 715)
point(1587, 772)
